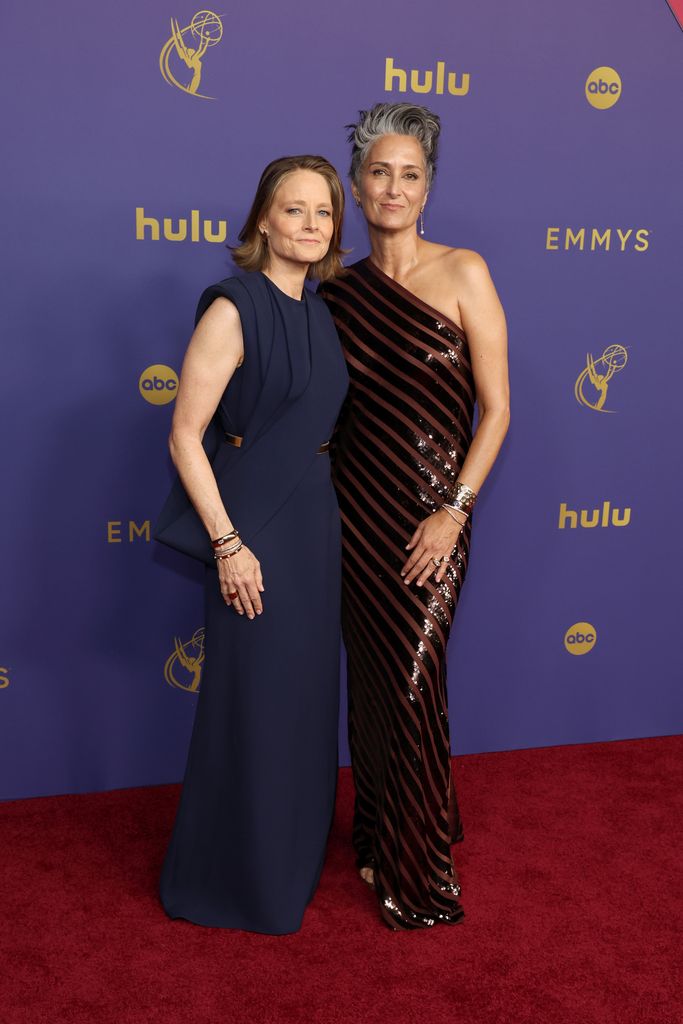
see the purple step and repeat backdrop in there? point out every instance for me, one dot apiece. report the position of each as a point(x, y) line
point(135, 141)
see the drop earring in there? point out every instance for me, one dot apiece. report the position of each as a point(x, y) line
point(422, 221)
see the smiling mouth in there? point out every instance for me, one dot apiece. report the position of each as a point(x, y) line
point(391, 206)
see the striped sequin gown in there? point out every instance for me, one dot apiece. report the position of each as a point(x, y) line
point(401, 440)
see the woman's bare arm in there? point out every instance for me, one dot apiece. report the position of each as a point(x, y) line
point(483, 320)
point(215, 351)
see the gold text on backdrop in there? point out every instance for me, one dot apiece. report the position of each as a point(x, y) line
point(143, 224)
point(438, 81)
point(607, 516)
point(597, 240)
point(141, 531)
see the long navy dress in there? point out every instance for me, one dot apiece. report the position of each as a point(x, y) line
point(249, 839)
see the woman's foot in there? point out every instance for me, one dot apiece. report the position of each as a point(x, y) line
point(368, 876)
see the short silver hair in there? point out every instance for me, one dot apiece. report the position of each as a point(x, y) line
point(394, 119)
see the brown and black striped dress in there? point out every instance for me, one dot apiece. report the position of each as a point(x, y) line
point(401, 441)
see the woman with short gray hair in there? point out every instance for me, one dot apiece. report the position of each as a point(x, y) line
point(424, 337)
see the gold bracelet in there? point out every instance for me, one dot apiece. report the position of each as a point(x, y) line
point(463, 498)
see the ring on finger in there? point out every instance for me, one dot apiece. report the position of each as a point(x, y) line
point(233, 596)
point(437, 561)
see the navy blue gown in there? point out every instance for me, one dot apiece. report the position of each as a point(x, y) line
point(249, 839)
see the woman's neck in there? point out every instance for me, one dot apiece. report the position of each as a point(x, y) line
point(288, 277)
point(395, 252)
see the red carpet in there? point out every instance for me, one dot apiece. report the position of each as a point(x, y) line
point(571, 872)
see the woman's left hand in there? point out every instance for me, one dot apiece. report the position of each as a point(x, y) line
point(435, 537)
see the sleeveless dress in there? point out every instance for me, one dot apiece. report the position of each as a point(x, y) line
point(256, 806)
point(400, 443)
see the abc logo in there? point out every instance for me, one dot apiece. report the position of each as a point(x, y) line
point(580, 638)
point(158, 384)
point(603, 88)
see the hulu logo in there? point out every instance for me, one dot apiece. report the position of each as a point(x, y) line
point(183, 229)
point(439, 81)
point(589, 519)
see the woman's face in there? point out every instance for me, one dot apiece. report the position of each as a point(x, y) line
point(299, 223)
point(393, 183)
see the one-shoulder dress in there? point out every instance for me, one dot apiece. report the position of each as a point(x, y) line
point(400, 443)
point(256, 806)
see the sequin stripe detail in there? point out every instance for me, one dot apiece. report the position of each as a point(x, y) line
point(418, 465)
point(447, 482)
point(422, 365)
point(366, 483)
point(367, 488)
point(417, 411)
point(384, 354)
point(370, 293)
point(417, 826)
point(407, 594)
point(423, 839)
point(404, 716)
point(433, 752)
point(374, 586)
point(382, 702)
point(361, 774)
point(399, 776)
point(412, 703)
point(389, 810)
point(363, 749)
point(408, 916)
point(406, 300)
point(413, 688)
point(386, 708)
point(445, 604)
point(411, 850)
point(364, 317)
point(409, 379)
point(454, 432)
point(384, 811)
point(435, 901)
point(408, 783)
point(362, 490)
point(432, 346)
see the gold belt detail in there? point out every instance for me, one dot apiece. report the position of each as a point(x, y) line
point(236, 441)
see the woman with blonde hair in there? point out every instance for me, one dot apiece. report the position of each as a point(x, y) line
point(261, 385)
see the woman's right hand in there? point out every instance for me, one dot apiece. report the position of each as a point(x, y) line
point(241, 582)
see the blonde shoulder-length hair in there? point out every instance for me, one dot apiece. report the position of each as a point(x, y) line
point(252, 254)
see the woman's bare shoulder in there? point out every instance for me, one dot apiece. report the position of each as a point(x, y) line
point(464, 263)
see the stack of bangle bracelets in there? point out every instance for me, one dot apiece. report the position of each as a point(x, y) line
point(462, 502)
point(233, 541)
